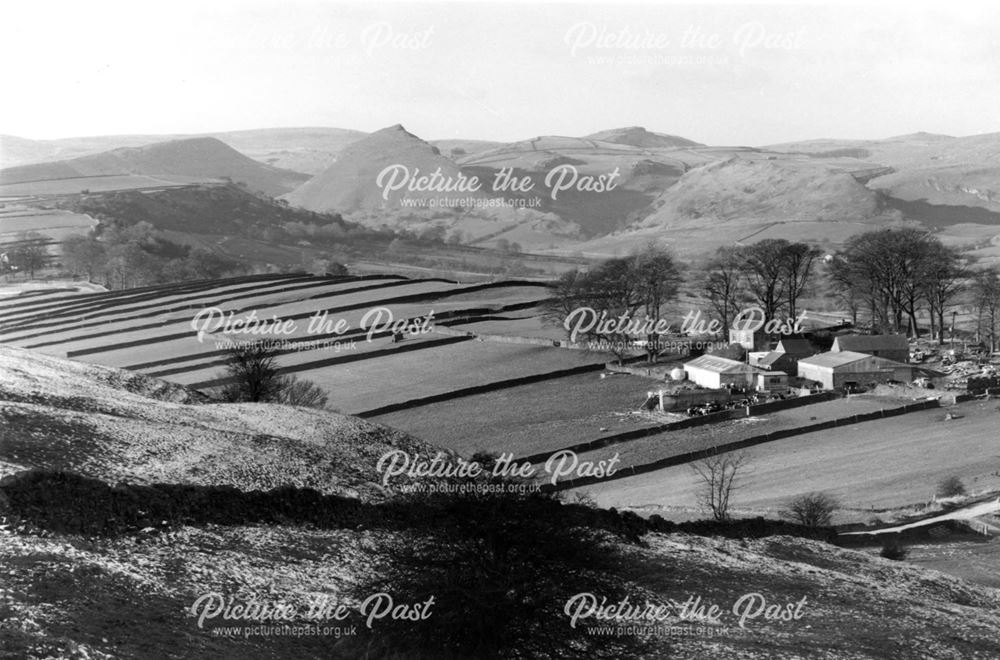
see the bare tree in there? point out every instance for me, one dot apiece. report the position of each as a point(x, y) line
point(943, 278)
point(764, 264)
point(30, 254)
point(633, 289)
point(717, 477)
point(295, 391)
point(812, 509)
point(84, 255)
point(723, 284)
point(797, 260)
point(658, 278)
point(986, 299)
point(567, 295)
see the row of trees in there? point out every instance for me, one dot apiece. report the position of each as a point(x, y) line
point(774, 274)
point(895, 274)
point(635, 287)
point(126, 257)
point(894, 277)
point(985, 295)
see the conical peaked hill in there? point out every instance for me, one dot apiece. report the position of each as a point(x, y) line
point(201, 158)
point(351, 183)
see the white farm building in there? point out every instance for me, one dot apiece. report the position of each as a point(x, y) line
point(716, 372)
point(841, 369)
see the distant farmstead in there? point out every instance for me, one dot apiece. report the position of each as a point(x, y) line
point(891, 347)
point(838, 370)
point(716, 372)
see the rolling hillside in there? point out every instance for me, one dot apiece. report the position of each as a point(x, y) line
point(753, 191)
point(937, 169)
point(198, 158)
point(666, 187)
point(282, 504)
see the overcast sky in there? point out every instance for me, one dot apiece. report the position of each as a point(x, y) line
point(715, 73)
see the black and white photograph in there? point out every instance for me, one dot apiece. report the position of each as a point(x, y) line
point(500, 330)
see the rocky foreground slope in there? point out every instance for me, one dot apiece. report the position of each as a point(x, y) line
point(129, 594)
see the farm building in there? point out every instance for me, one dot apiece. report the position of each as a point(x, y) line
point(775, 361)
point(841, 369)
point(890, 347)
point(772, 381)
point(752, 340)
point(795, 347)
point(717, 372)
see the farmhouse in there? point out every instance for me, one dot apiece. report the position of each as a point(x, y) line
point(842, 369)
point(716, 372)
point(891, 347)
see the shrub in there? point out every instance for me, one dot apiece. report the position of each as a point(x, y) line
point(336, 269)
point(300, 392)
point(894, 550)
point(812, 509)
point(253, 370)
point(950, 487)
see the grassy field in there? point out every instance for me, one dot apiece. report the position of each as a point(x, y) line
point(51, 224)
point(672, 443)
point(282, 304)
point(530, 418)
point(368, 384)
point(871, 466)
point(94, 184)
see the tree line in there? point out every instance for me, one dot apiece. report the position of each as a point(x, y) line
point(123, 257)
point(890, 280)
point(26, 255)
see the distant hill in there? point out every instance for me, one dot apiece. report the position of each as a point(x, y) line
point(637, 136)
point(309, 149)
point(206, 158)
point(17, 150)
point(925, 167)
point(349, 184)
point(456, 148)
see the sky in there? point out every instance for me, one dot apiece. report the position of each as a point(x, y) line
point(726, 74)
